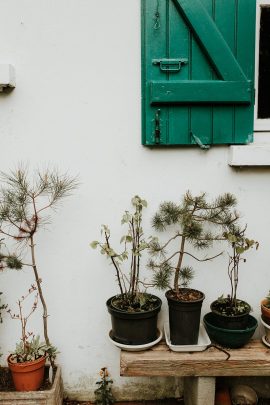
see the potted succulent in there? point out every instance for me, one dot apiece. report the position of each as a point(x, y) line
point(27, 361)
point(194, 223)
point(133, 311)
point(230, 323)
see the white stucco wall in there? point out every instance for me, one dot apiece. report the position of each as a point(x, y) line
point(77, 106)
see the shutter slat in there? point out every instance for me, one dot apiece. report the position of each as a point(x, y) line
point(244, 117)
point(179, 115)
point(200, 91)
point(223, 116)
point(201, 115)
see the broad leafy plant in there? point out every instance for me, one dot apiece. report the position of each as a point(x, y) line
point(126, 261)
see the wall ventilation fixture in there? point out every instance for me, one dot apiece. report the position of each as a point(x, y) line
point(7, 76)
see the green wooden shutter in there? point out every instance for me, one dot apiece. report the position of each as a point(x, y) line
point(197, 71)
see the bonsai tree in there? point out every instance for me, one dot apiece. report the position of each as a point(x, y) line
point(25, 204)
point(134, 243)
point(194, 222)
point(239, 244)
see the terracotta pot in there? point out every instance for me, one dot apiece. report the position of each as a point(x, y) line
point(265, 311)
point(222, 396)
point(27, 376)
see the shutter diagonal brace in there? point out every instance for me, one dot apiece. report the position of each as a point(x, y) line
point(211, 40)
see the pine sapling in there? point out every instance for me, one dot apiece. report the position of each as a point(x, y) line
point(24, 207)
point(195, 223)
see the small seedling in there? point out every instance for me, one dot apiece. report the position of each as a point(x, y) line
point(103, 394)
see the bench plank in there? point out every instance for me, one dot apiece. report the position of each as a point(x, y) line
point(251, 360)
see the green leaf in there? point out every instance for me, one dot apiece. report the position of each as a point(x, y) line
point(126, 218)
point(94, 244)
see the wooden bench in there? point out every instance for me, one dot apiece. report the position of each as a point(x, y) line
point(200, 369)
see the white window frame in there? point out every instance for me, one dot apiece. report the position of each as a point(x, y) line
point(256, 154)
point(260, 125)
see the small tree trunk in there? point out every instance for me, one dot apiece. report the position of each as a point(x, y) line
point(38, 282)
point(178, 267)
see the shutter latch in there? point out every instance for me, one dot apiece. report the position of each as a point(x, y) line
point(170, 65)
point(157, 126)
point(199, 142)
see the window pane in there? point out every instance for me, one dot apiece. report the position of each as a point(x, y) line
point(264, 65)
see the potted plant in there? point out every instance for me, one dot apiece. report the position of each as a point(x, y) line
point(27, 361)
point(133, 311)
point(265, 309)
point(231, 312)
point(230, 323)
point(193, 224)
point(25, 204)
point(265, 319)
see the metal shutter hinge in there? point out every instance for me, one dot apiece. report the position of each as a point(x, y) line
point(199, 142)
point(157, 126)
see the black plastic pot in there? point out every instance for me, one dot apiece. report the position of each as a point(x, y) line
point(184, 318)
point(233, 322)
point(134, 328)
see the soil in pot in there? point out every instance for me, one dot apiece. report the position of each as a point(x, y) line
point(184, 315)
point(230, 317)
point(136, 325)
point(27, 376)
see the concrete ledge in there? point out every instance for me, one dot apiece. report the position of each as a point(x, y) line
point(249, 155)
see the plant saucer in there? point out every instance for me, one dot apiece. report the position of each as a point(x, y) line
point(265, 341)
point(136, 348)
point(203, 341)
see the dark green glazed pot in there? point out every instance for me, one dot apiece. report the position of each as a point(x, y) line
point(230, 338)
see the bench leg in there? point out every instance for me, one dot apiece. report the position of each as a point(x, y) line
point(199, 390)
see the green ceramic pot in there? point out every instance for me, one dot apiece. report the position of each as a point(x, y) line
point(231, 338)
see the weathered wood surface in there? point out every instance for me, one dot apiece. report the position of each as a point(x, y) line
point(251, 360)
